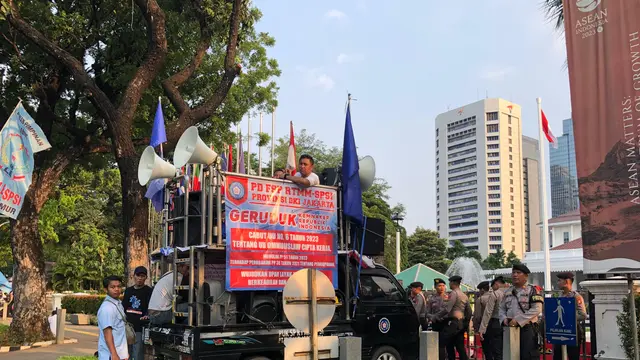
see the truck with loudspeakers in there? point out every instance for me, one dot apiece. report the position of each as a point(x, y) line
point(247, 242)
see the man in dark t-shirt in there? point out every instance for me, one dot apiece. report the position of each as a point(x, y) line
point(136, 305)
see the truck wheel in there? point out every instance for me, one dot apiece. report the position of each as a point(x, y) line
point(386, 353)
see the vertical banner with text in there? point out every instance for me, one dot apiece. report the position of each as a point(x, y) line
point(603, 50)
point(275, 228)
point(20, 138)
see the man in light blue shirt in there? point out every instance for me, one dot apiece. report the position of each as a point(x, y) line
point(112, 343)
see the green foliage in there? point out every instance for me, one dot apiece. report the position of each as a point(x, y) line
point(457, 250)
point(426, 247)
point(499, 260)
point(81, 229)
point(85, 304)
point(263, 139)
point(323, 155)
point(624, 326)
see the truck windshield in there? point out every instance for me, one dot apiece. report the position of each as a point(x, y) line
point(373, 287)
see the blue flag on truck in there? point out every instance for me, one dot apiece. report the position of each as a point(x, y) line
point(351, 189)
point(20, 138)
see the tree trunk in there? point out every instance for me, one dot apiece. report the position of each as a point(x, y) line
point(29, 318)
point(135, 215)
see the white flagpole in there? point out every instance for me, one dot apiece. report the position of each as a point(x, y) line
point(238, 149)
point(273, 140)
point(543, 197)
point(260, 149)
point(248, 145)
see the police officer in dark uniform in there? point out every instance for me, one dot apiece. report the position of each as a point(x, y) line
point(435, 303)
point(451, 338)
point(565, 283)
point(521, 307)
point(419, 303)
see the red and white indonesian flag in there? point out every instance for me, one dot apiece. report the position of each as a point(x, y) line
point(291, 158)
point(547, 131)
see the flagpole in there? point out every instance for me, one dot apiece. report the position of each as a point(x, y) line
point(543, 197)
point(260, 148)
point(238, 149)
point(248, 145)
point(273, 139)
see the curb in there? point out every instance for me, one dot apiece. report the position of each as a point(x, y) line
point(6, 349)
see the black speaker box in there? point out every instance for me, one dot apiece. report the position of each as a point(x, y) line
point(195, 227)
point(373, 237)
point(330, 177)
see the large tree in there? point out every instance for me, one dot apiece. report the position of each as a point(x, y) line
point(426, 247)
point(555, 12)
point(192, 53)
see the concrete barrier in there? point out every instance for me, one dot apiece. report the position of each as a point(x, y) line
point(511, 343)
point(350, 348)
point(61, 320)
point(428, 345)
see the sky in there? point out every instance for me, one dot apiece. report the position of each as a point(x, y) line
point(404, 65)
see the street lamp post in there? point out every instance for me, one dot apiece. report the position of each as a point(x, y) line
point(397, 218)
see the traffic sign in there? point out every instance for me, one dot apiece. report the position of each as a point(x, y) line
point(297, 300)
point(561, 323)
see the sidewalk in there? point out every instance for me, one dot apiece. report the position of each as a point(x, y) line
point(87, 345)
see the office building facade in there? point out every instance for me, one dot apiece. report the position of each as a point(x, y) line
point(531, 193)
point(563, 173)
point(479, 187)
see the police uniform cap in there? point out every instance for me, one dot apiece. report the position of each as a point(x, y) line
point(437, 281)
point(483, 285)
point(565, 275)
point(498, 279)
point(522, 268)
point(416, 284)
point(455, 278)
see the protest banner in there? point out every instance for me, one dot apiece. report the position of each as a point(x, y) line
point(20, 138)
point(275, 228)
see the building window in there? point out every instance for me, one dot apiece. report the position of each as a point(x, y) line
point(513, 223)
point(492, 116)
point(510, 173)
point(510, 157)
point(437, 132)
point(510, 165)
point(512, 189)
point(437, 143)
point(493, 138)
point(510, 149)
point(512, 207)
point(509, 119)
point(511, 180)
point(509, 130)
point(565, 236)
point(509, 141)
point(511, 197)
point(492, 128)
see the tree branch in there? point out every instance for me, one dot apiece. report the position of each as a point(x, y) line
point(153, 62)
point(231, 70)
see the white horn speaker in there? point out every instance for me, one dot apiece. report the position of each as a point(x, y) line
point(192, 150)
point(152, 167)
point(367, 172)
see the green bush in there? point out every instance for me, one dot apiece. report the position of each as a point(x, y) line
point(87, 304)
point(624, 325)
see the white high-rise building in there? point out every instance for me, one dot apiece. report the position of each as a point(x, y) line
point(479, 184)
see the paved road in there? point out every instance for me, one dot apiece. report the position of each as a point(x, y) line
point(87, 345)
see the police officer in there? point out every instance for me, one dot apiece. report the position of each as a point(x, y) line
point(565, 283)
point(435, 303)
point(490, 330)
point(419, 302)
point(480, 305)
point(521, 307)
point(452, 335)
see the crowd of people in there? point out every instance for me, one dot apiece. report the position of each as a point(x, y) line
point(498, 305)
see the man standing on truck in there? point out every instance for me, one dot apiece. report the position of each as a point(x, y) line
point(419, 302)
point(305, 177)
point(452, 335)
point(136, 305)
point(162, 297)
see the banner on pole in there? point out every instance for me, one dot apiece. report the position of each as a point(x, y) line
point(275, 228)
point(603, 50)
point(20, 138)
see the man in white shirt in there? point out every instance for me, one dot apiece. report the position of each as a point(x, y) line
point(112, 343)
point(305, 177)
point(162, 297)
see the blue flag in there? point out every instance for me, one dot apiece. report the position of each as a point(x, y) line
point(351, 190)
point(158, 133)
point(155, 188)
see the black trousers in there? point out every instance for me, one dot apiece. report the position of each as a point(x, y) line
point(529, 343)
point(492, 343)
point(573, 352)
point(451, 338)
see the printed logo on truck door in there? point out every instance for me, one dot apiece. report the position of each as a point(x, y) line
point(384, 325)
